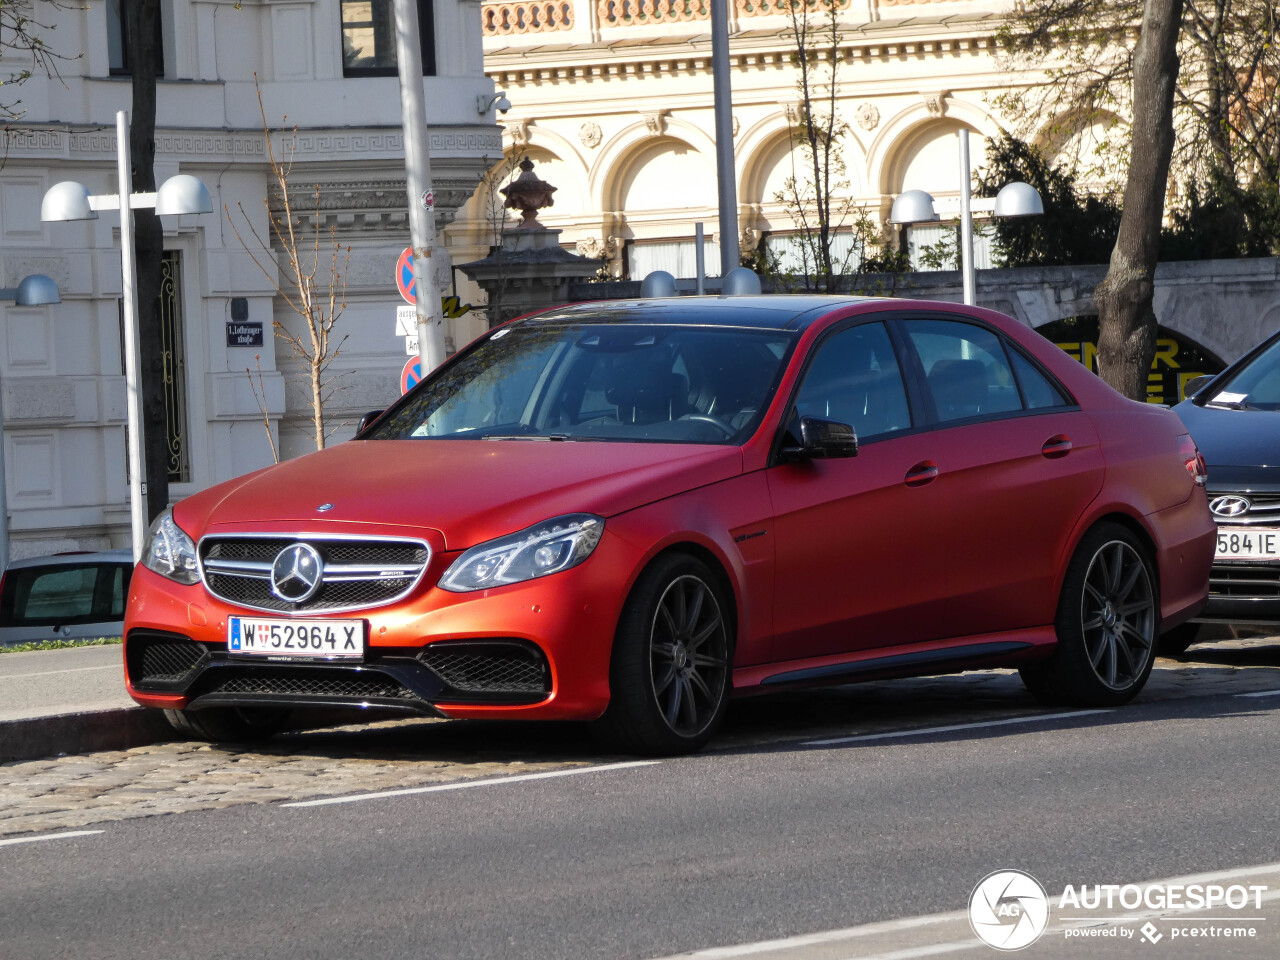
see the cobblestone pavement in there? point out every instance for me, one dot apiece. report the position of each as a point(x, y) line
point(76, 791)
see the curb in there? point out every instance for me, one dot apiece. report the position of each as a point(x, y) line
point(115, 729)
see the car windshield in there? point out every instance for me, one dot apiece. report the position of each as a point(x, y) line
point(1255, 386)
point(599, 381)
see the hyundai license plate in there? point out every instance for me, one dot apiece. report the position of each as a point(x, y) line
point(1248, 543)
point(311, 639)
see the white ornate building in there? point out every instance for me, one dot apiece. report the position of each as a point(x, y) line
point(325, 66)
point(613, 100)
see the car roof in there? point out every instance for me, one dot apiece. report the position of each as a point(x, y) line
point(772, 312)
point(74, 559)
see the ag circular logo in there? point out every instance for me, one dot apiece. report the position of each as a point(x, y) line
point(296, 573)
point(1008, 910)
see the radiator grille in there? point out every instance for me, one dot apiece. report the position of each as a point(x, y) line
point(356, 573)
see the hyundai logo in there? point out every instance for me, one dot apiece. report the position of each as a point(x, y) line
point(296, 573)
point(1229, 506)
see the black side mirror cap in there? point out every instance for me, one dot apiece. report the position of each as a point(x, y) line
point(367, 419)
point(822, 440)
point(1196, 384)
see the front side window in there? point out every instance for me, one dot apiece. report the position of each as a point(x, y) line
point(599, 381)
point(369, 38)
point(854, 378)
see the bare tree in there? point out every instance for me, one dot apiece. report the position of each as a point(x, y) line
point(314, 276)
point(834, 238)
point(22, 42)
point(1225, 108)
point(1126, 320)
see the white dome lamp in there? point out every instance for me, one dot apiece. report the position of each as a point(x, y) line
point(67, 200)
point(1018, 199)
point(183, 194)
point(913, 206)
point(35, 290)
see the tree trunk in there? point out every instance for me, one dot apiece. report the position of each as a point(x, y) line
point(1126, 320)
point(149, 248)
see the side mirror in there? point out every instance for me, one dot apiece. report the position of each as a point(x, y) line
point(1195, 385)
point(367, 419)
point(822, 440)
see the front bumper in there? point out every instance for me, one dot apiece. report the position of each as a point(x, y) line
point(537, 650)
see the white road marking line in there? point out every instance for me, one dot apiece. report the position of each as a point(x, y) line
point(1261, 693)
point(466, 784)
point(50, 836)
point(810, 939)
point(50, 673)
point(922, 731)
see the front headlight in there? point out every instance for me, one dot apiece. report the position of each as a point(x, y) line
point(544, 548)
point(169, 551)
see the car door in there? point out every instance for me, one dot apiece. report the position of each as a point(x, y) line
point(1019, 463)
point(858, 553)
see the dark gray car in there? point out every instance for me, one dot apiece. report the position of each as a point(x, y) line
point(1234, 418)
point(70, 596)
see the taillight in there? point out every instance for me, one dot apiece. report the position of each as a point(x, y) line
point(1192, 459)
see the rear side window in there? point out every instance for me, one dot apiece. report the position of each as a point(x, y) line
point(1038, 392)
point(64, 594)
point(970, 373)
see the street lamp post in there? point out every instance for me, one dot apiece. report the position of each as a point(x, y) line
point(1015, 199)
point(35, 290)
point(70, 200)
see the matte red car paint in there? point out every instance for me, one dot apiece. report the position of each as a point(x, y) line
point(974, 553)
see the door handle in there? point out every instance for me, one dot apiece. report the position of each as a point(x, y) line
point(923, 472)
point(1055, 447)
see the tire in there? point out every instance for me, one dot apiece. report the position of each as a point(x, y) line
point(228, 724)
point(1106, 624)
point(669, 676)
point(1175, 642)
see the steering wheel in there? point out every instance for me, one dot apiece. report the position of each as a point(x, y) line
point(724, 428)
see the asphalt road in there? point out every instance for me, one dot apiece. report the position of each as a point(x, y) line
point(745, 844)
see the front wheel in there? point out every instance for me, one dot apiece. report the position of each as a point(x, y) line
point(1106, 624)
point(670, 671)
point(228, 724)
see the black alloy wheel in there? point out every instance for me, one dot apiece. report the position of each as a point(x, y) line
point(1107, 619)
point(671, 668)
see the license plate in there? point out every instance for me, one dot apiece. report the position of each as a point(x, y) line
point(312, 639)
point(1248, 543)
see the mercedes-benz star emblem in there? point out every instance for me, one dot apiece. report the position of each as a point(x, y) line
point(1229, 506)
point(296, 573)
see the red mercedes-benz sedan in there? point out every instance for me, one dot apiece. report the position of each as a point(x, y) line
point(627, 512)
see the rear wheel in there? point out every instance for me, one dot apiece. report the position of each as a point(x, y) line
point(1106, 624)
point(670, 671)
point(228, 724)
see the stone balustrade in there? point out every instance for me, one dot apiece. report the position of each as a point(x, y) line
point(526, 16)
point(541, 16)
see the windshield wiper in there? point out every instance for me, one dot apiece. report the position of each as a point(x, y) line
point(527, 436)
point(1230, 404)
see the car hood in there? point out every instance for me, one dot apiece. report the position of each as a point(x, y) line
point(1234, 439)
point(468, 490)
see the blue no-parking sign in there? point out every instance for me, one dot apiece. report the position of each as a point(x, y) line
point(410, 375)
point(404, 275)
